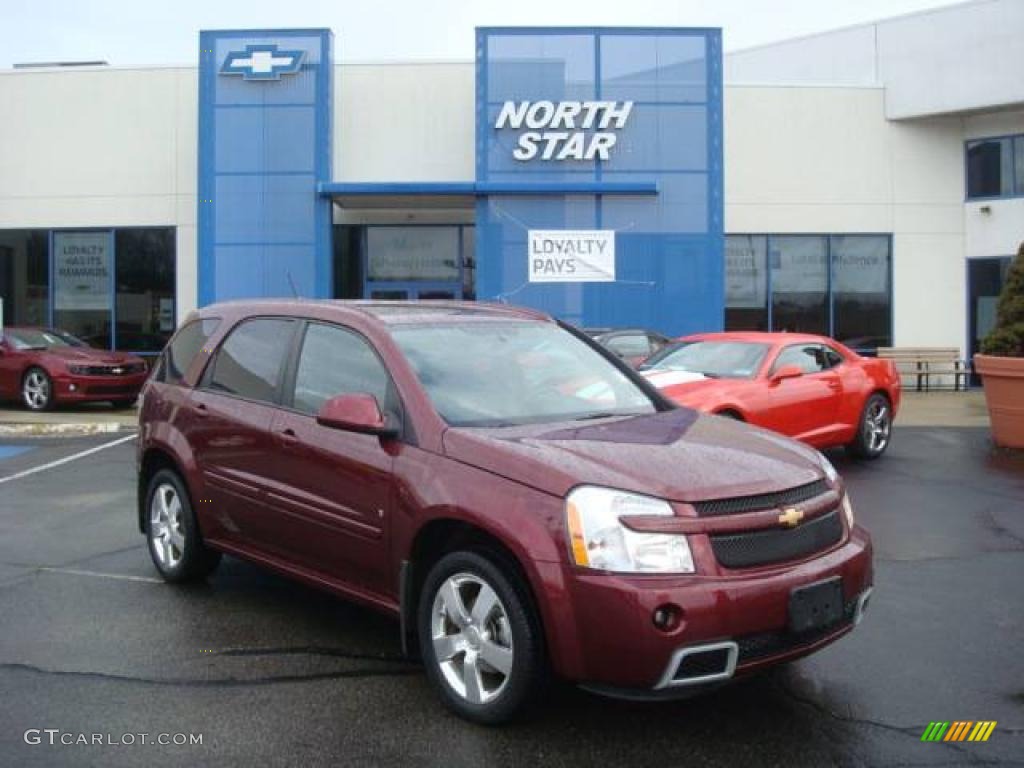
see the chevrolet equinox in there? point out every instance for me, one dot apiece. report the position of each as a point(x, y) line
point(518, 498)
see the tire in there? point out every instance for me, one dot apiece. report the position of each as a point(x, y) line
point(874, 432)
point(37, 389)
point(172, 533)
point(504, 643)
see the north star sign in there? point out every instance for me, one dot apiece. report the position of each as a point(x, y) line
point(564, 130)
point(262, 62)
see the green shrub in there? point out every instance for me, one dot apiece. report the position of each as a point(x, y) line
point(1007, 338)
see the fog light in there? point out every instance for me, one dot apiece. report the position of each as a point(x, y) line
point(667, 617)
point(72, 387)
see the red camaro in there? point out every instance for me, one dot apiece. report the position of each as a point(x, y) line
point(808, 387)
point(42, 367)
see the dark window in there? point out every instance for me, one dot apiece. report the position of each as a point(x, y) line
point(861, 294)
point(799, 283)
point(832, 358)
point(183, 349)
point(248, 363)
point(631, 345)
point(25, 276)
point(809, 357)
point(746, 283)
point(144, 277)
point(990, 168)
point(337, 362)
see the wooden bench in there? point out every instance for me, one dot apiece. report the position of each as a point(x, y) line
point(928, 362)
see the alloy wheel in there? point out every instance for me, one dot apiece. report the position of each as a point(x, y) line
point(166, 527)
point(472, 638)
point(36, 390)
point(877, 425)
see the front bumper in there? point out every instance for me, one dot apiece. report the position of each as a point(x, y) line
point(76, 388)
point(738, 619)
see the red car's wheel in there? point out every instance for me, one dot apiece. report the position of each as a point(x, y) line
point(37, 389)
point(875, 428)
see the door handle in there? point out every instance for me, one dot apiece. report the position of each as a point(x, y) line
point(199, 409)
point(288, 436)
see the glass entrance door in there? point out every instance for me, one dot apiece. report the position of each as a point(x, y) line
point(985, 278)
point(413, 262)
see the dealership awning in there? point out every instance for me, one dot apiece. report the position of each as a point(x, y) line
point(463, 194)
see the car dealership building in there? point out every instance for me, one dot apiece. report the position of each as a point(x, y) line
point(866, 183)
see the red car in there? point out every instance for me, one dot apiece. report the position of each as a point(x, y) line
point(514, 494)
point(44, 367)
point(808, 387)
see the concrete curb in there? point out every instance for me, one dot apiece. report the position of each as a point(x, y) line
point(63, 430)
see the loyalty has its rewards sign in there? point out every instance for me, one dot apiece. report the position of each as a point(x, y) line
point(571, 256)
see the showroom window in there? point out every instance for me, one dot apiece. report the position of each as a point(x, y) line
point(995, 167)
point(110, 287)
point(836, 285)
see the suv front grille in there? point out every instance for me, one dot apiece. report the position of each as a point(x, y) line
point(776, 545)
point(109, 370)
point(741, 504)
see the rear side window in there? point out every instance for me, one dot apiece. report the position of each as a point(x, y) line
point(248, 363)
point(809, 357)
point(337, 362)
point(184, 347)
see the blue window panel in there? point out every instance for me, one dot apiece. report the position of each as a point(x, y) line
point(276, 139)
point(238, 271)
point(680, 206)
point(544, 66)
point(651, 140)
point(290, 213)
point(659, 68)
point(238, 205)
point(287, 265)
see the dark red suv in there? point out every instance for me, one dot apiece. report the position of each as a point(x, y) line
point(514, 494)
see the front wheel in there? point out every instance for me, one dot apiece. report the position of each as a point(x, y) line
point(874, 430)
point(479, 639)
point(175, 543)
point(37, 389)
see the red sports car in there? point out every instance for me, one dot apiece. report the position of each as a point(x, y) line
point(808, 387)
point(42, 367)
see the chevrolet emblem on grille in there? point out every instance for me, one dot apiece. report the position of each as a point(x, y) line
point(791, 517)
point(117, 371)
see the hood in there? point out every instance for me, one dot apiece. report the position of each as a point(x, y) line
point(90, 355)
point(678, 455)
point(694, 389)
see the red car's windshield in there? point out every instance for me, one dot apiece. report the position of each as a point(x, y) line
point(715, 359)
point(509, 373)
point(34, 338)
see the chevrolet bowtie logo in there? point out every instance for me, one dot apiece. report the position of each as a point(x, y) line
point(262, 62)
point(791, 517)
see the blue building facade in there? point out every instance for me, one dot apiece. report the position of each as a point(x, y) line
point(598, 182)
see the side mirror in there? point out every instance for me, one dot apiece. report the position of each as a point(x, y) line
point(358, 412)
point(786, 372)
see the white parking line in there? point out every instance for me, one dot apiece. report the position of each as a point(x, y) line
point(66, 459)
point(97, 574)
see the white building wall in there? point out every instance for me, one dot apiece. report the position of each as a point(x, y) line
point(102, 148)
point(826, 160)
point(404, 122)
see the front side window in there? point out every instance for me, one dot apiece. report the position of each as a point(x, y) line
point(810, 358)
point(505, 373)
point(249, 362)
point(184, 347)
point(334, 362)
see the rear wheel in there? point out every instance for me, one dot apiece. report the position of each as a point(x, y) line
point(479, 641)
point(874, 430)
point(175, 544)
point(37, 389)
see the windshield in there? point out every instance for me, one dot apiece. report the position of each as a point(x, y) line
point(716, 359)
point(506, 373)
point(33, 338)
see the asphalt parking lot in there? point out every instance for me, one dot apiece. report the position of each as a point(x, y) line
point(270, 672)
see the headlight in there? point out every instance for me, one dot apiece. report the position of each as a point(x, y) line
point(598, 540)
point(848, 510)
point(830, 471)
